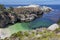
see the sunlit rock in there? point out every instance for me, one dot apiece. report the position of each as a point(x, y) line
point(46, 9)
point(28, 6)
point(4, 33)
point(53, 27)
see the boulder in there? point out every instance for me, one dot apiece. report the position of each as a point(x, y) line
point(53, 27)
point(4, 33)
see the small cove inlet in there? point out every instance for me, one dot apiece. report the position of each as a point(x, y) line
point(44, 21)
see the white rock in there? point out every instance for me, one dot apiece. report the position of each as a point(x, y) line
point(46, 9)
point(19, 7)
point(53, 27)
point(28, 6)
point(33, 6)
point(4, 33)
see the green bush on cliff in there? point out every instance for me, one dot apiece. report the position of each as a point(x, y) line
point(2, 7)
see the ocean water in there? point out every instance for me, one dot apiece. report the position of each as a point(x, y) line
point(53, 6)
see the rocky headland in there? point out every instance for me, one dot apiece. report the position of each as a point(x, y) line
point(21, 14)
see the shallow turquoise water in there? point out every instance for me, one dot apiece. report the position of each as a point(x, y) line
point(19, 27)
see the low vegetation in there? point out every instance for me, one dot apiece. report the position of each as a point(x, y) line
point(9, 16)
point(37, 34)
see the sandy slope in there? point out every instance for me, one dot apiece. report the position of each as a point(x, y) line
point(6, 32)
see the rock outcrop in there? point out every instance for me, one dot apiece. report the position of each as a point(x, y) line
point(6, 18)
point(53, 27)
point(4, 33)
point(29, 13)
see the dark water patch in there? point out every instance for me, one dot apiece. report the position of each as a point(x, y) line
point(53, 6)
point(41, 22)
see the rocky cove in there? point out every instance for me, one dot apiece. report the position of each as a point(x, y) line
point(17, 19)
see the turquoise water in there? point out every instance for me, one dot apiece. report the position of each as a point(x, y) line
point(19, 27)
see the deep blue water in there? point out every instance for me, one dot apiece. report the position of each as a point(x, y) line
point(47, 19)
point(53, 6)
